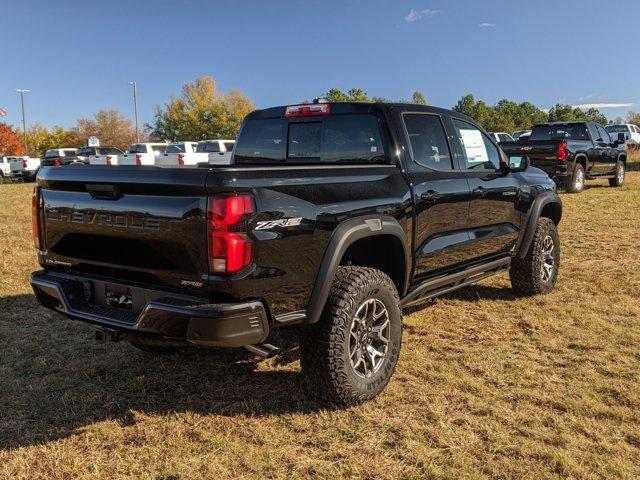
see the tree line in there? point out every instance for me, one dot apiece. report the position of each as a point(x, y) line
point(201, 111)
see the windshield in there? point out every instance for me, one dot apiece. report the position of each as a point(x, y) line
point(573, 131)
point(617, 128)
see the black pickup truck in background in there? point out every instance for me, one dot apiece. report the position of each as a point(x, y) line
point(571, 152)
point(331, 218)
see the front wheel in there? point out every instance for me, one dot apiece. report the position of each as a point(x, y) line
point(349, 355)
point(575, 183)
point(618, 180)
point(537, 272)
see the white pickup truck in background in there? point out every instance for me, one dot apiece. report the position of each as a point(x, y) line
point(218, 151)
point(25, 168)
point(142, 154)
point(101, 155)
point(180, 154)
point(5, 169)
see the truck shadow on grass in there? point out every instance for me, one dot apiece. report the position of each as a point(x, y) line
point(54, 379)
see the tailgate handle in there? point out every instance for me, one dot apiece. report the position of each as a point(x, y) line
point(103, 192)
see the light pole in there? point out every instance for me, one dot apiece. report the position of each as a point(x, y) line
point(24, 121)
point(135, 107)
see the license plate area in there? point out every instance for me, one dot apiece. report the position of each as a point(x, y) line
point(118, 297)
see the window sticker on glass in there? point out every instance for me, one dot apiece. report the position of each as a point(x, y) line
point(474, 146)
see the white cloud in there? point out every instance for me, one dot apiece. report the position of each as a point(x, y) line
point(415, 15)
point(587, 106)
point(487, 25)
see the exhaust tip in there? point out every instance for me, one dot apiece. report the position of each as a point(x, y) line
point(263, 350)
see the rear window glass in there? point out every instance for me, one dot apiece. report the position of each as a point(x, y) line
point(208, 147)
point(86, 151)
point(575, 131)
point(158, 148)
point(229, 146)
point(332, 139)
point(175, 148)
point(138, 149)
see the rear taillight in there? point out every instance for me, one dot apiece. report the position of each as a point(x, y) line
point(108, 159)
point(57, 162)
point(138, 159)
point(24, 164)
point(311, 110)
point(35, 218)
point(230, 247)
point(181, 159)
point(562, 151)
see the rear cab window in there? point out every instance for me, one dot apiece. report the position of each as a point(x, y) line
point(573, 131)
point(138, 148)
point(333, 138)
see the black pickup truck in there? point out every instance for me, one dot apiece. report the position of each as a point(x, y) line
point(571, 152)
point(331, 219)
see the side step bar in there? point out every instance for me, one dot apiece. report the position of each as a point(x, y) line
point(440, 285)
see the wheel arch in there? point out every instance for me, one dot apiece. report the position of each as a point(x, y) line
point(547, 204)
point(355, 240)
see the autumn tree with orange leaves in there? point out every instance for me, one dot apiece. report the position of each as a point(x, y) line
point(9, 142)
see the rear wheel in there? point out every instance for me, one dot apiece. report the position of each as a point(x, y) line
point(618, 180)
point(537, 272)
point(575, 183)
point(349, 355)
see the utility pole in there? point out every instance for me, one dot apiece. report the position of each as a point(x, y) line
point(135, 107)
point(24, 120)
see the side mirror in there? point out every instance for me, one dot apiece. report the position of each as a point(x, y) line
point(621, 138)
point(518, 163)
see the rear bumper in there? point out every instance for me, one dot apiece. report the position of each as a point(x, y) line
point(164, 315)
point(556, 171)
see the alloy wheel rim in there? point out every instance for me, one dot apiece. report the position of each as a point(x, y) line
point(579, 180)
point(369, 338)
point(548, 260)
point(620, 174)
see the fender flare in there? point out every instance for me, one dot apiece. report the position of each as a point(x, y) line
point(535, 211)
point(577, 158)
point(622, 157)
point(343, 236)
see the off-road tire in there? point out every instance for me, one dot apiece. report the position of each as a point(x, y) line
point(572, 184)
point(526, 273)
point(618, 180)
point(327, 371)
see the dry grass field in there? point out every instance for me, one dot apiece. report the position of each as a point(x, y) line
point(488, 385)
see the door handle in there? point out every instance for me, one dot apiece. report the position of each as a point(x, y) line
point(430, 196)
point(479, 191)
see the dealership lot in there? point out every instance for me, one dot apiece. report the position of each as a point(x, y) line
point(487, 384)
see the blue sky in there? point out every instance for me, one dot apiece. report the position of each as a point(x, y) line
point(77, 57)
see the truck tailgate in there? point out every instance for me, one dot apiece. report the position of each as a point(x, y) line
point(137, 223)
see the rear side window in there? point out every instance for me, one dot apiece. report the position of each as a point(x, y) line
point(109, 151)
point(331, 139)
point(229, 146)
point(574, 131)
point(158, 148)
point(428, 141)
point(69, 153)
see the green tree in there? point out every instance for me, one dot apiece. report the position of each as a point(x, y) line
point(419, 98)
point(201, 112)
point(568, 113)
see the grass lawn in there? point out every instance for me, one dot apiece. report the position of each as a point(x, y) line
point(488, 385)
